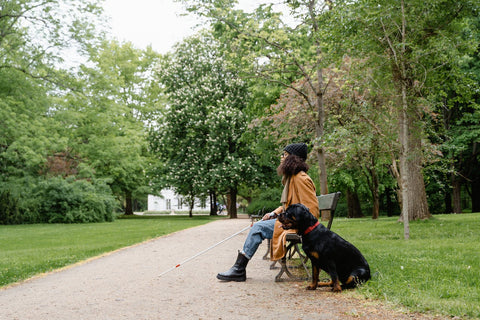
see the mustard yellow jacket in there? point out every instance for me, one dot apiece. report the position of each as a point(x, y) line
point(300, 190)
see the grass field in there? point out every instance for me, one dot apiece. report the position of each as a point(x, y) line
point(437, 270)
point(26, 250)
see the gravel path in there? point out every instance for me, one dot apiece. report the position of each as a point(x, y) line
point(128, 284)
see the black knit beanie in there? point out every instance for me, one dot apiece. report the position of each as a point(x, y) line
point(298, 149)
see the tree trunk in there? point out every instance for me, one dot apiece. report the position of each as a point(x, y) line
point(457, 201)
point(418, 205)
point(388, 197)
point(128, 203)
point(476, 195)
point(353, 205)
point(232, 203)
point(213, 203)
point(191, 205)
point(373, 184)
point(320, 111)
point(414, 196)
point(474, 177)
point(447, 198)
point(376, 205)
point(403, 137)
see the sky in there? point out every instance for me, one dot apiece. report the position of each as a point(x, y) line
point(158, 23)
point(148, 22)
point(152, 22)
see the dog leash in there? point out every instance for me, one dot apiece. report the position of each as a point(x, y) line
point(202, 252)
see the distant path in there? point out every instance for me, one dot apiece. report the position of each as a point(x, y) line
point(126, 285)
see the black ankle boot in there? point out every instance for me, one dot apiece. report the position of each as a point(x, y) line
point(237, 272)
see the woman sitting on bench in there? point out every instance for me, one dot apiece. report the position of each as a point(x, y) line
point(298, 188)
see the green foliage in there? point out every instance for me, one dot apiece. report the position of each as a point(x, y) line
point(96, 117)
point(35, 34)
point(26, 134)
point(457, 128)
point(74, 201)
point(106, 124)
point(341, 210)
point(434, 50)
point(9, 211)
point(267, 201)
point(56, 200)
point(199, 140)
point(33, 37)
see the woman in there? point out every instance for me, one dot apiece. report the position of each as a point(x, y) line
point(298, 188)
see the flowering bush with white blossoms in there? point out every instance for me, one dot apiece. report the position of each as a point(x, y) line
point(199, 142)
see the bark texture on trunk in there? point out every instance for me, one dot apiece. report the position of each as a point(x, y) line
point(232, 203)
point(128, 203)
point(353, 205)
point(456, 195)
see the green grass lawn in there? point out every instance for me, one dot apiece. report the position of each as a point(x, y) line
point(27, 250)
point(437, 270)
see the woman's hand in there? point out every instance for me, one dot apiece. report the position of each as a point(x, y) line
point(268, 216)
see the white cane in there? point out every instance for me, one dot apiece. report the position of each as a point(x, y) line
point(202, 252)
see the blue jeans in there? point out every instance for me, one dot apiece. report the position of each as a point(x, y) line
point(260, 231)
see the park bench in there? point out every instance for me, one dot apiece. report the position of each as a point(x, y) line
point(326, 202)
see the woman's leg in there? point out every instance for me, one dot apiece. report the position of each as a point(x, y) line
point(260, 231)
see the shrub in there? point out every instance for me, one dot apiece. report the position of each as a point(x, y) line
point(9, 211)
point(341, 210)
point(55, 200)
point(267, 201)
point(74, 201)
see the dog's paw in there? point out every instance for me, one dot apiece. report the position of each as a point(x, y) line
point(311, 287)
point(337, 287)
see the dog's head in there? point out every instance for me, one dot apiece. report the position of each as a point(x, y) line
point(297, 216)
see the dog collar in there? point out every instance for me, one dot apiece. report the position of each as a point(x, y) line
point(311, 228)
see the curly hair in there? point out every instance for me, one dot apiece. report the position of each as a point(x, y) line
point(292, 165)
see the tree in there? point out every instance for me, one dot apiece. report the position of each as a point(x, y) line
point(459, 112)
point(403, 40)
point(27, 136)
point(198, 141)
point(106, 121)
point(279, 54)
point(358, 140)
point(455, 120)
point(35, 35)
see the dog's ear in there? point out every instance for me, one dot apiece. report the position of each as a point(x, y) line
point(292, 215)
point(296, 210)
point(303, 213)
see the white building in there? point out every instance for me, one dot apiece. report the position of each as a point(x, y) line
point(170, 201)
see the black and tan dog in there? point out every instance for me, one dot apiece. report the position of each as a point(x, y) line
point(326, 250)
